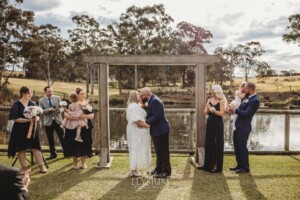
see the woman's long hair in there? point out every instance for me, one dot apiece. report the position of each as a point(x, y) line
point(132, 97)
point(219, 92)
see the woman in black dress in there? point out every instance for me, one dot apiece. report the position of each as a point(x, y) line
point(214, 141)
point(18, 142)
point(80, 150)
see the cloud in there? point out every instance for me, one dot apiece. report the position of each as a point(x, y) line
point(231, 19)
point(260, 29)
point(40, 5)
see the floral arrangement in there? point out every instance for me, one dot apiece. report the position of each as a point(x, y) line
point(63, 106)
point(31, 112)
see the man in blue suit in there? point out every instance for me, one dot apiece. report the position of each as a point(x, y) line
point(159, 130)
point(245, 114)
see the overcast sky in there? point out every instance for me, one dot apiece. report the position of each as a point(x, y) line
point(230, 21)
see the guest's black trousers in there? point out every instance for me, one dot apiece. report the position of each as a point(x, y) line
point(50, 135)
point(161, 145)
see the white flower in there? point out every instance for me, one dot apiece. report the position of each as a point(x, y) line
point(89, 108)
point(63, 104)
point(32, 111)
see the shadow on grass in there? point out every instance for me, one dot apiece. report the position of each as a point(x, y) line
point(144, 187)
point(295, 158)
point(52, 184)
point(249, 187)
point(208, 185)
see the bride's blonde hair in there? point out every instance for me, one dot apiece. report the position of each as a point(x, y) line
point(219, 92)
point(132, 97)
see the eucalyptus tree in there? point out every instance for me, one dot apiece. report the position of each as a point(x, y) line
point(223, 69)
point(15, 26)
point(294, 30)
point(246, 58)
point(188, 39)
point(88, 38)
point(44, 54)
point(262, 70)
point(144, 30)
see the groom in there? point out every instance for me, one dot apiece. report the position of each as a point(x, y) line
point(245, 114)
point(159, 130)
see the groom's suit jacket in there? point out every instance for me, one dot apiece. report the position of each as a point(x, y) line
point(156, 118)
point(49, 116)
point(11, 186)
point(246, 112)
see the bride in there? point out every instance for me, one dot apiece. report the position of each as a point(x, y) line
point(138, 135)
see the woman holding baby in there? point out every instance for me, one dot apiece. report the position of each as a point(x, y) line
point(214, 141)
point(79, 148)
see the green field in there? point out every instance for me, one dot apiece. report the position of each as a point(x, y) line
point(271, 177)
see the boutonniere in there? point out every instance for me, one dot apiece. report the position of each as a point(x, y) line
point(246, 101)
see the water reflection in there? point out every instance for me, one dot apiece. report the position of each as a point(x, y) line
point(267, 131)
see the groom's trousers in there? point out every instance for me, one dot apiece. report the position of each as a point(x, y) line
point(161, 146)
point(240, 138)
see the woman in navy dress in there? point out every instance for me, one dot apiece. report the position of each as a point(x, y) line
point(214, 141)
point(18, 142)
point(80, 150)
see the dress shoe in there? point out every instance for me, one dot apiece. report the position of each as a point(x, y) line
point(152, 173)
point(201, 168)
point(241, 171)
point(234, 168)
point(51, 157)
point(161, 175)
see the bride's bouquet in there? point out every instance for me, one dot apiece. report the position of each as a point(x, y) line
point(29, 113)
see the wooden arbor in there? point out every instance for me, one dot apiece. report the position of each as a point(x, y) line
point(103, 63)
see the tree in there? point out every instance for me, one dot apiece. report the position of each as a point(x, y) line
point(262, 70)
point(139, 31)
point(44, 54)
point(294, 30)
point(15, 26)
point(223, 69)
point(188, 39)
point(88, 38)
point(246, 57)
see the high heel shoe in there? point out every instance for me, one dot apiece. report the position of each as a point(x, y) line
point(43, 169)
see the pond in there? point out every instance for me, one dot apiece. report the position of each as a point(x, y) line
point(267, 132)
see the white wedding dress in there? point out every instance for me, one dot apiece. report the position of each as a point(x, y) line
point(139, 140)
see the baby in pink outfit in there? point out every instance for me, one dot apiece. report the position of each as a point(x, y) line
point(239, 96)
point(75, 110)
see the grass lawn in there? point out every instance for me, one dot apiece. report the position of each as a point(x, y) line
point(272, 177)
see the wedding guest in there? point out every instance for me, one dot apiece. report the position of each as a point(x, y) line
point(80, 150)
point(75, 110)
point(214, 140)
point(13, 185)
point(138, 135)
point(52, 121)
point(245, 114)
point(18, 141)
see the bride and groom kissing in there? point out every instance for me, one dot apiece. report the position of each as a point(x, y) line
point(146, 119)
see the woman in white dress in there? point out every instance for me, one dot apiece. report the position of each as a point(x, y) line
point(138, 135)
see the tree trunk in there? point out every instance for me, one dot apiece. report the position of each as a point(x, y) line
point(92, 77)
point(120, 87)
point(87, 80)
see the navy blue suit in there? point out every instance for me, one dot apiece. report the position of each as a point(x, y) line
point(245, 114)
point(159, 130)
point(156, 118)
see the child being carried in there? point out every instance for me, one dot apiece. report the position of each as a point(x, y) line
point(75, 110)
point(239, 96)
